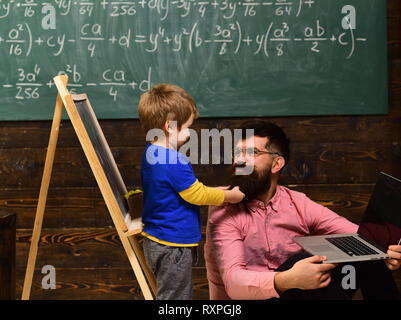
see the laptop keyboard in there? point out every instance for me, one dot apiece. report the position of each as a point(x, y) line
point(351, 246)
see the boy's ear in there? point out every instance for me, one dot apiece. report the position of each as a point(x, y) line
point(167, 126)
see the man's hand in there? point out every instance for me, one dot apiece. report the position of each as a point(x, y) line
point(395, 257)
point(306, 274)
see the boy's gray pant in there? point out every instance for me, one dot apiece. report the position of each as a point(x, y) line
point(172, 267)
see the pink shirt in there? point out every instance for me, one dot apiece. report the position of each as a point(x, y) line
point(244, 247)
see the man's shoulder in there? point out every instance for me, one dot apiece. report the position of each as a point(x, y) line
point(299, 199)
point(226, 211)
point(224, 207)
point(288, 193)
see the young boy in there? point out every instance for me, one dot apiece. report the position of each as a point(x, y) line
point(171, 193)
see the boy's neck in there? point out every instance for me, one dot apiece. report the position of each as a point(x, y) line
point(164, 143)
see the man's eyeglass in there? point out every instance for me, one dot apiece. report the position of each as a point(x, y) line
point(252, 152)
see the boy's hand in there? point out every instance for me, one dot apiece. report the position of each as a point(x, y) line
point(233, 196)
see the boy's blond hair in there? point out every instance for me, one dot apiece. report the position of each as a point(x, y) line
point(165, 102)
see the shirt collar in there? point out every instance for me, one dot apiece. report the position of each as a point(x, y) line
point(254, 204)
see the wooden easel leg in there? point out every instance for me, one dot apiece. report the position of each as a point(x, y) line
point(141, 257)
point(51, 150)
point(133, 259)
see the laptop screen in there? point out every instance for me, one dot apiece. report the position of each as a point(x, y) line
point(382, 219)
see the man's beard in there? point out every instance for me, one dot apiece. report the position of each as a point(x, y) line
point(252, 185)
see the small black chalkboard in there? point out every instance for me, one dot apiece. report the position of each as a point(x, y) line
point(102, 150)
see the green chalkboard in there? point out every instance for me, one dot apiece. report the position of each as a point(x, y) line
point(236, 58)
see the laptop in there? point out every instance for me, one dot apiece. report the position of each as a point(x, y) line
point(380, 227)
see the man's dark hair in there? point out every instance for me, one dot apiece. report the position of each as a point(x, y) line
point(277, 139)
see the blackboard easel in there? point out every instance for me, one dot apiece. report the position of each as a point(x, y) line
point(128, 238)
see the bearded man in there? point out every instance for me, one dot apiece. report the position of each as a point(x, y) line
point(249, 251)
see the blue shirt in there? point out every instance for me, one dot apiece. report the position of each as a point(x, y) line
point(166, 216)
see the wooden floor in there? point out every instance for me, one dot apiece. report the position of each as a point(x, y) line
point(334, 160)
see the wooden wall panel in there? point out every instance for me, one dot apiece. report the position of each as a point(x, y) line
point(7, 255)
point(312, 163)
point(85, 208)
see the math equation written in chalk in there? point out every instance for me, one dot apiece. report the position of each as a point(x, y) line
point(121, 48)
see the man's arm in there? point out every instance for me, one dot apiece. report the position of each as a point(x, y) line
point(306, 274)
point(227, 241)
point(322, 220)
